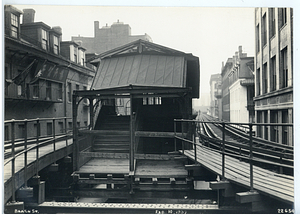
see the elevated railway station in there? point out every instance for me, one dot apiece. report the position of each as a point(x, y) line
point(144, 150)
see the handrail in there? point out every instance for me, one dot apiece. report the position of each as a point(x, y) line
point(250, 148)
point(33, 147)
point(36, 141)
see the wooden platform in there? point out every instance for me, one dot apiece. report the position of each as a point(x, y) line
point(160, 169)
point(275, 185)
point(105, 165)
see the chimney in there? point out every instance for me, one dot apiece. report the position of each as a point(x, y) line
point(57, 29)
point(28, 16)
point(96, 28)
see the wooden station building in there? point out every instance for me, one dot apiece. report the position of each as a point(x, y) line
point(138, 91)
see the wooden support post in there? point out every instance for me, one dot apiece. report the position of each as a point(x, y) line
point(182, 143)
point(38, 132)
point(223, 150)
point(66, 131)
point(195, 146)
point(91, 113)
point(137, 180)
point(25, 152)
point(132, 137)
point(53, 133)
point(175, 141)
point(75, 134)
point(13, 161)
point(251, 158)
point(172, 181)
point(258, 203)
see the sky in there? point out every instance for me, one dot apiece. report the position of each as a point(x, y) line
point(212, 34)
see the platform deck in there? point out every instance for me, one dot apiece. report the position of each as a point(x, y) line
point(160, 168)
point(269, 183)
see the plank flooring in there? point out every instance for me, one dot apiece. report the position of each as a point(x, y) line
point(266, 182)
point(160, 169)
point(105, 165)
point(31, 157)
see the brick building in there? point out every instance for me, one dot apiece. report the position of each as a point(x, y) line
point(274, 72)
point(238, 88)
point(40, 74)
point(109, 37)
point(215, 95)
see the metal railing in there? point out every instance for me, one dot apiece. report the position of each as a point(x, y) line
point(249, 148)
point(23, 146)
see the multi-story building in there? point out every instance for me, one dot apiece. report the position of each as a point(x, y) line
point(274, 73)
point(238, 88)
point(109, 37)
point(40, 73)
point(215, 91)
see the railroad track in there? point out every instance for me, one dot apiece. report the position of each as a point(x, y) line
point(268, 154)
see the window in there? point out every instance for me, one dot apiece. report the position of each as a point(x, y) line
point(258, 81)
point(75, 54)
point(257, 39)
point(44, 39)
point(259, 114)
point(36, 90)
point(21, 131)
point(55, 45)
point(273, 74)
point(48, 90)
point(69, 91)
point(14, 25)
point(60, 127)
point(266, 127)
point(59, 91)
point(78, 124)
point(264, 29)
point(274, 129)
point(284, 68)
point(282, 14)
point(285, 119)
point(6, 135)
point(77, 87)
point(49, 128)
point(272, 22)
point(37, 132)
point(70, 125)
point(264, 78)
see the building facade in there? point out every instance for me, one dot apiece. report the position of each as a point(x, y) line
point(109, 37)
point(274, 73)
point(215, 92)
point(238, 88)
point(40, 74)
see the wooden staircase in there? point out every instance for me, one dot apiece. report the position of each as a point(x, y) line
point(115, 135)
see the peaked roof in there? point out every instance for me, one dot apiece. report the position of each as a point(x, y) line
point(144, 63)
point(139, 47)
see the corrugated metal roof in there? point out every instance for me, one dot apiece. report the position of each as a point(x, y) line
point(141, 69)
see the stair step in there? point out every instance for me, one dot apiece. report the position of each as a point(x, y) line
point(111, 138)
point(111, 150)
point(111, 145)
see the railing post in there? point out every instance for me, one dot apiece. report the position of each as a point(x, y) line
point(182, 142)
point(223, 150)
point(195, 146)
point(175, 141)
point(251, 157)
point(132, 134)
point(53, 134)
point(25, 153)
point(37, 145)
point(13, 185)
point(66, 131)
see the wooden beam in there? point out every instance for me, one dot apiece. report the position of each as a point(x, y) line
point(247, 197)
point(157, 134)
point(192, 166)
point(219, 185)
